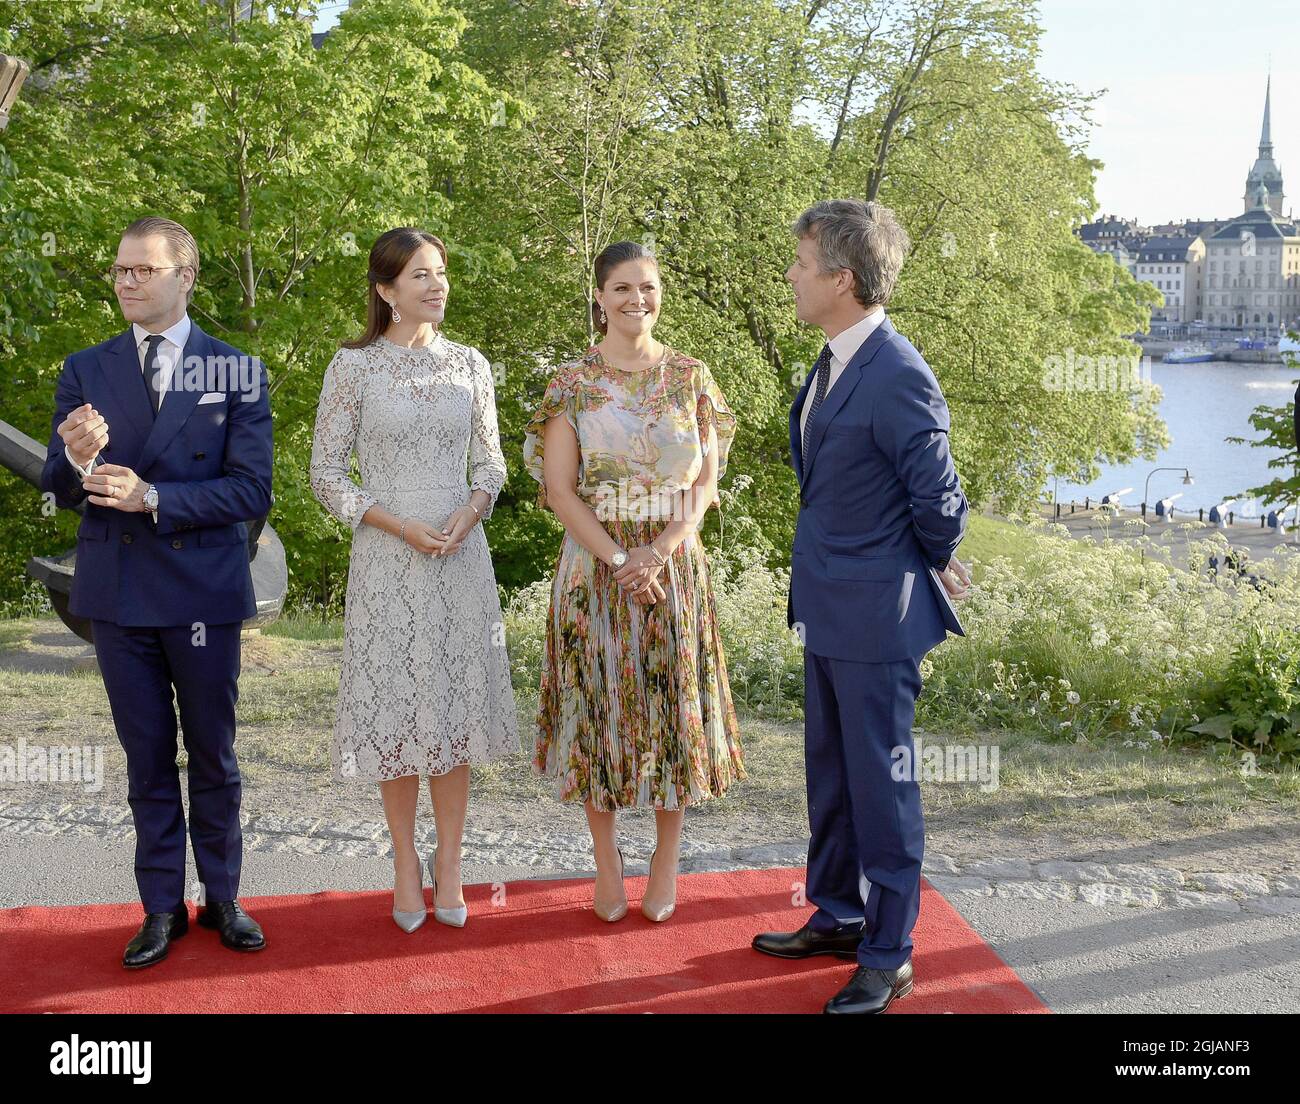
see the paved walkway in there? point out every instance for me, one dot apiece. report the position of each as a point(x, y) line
point(1088, 937)
point(1093, 524)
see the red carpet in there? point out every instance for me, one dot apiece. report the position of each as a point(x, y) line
point(538, 948)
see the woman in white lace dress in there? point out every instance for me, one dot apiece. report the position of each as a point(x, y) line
point(424, 687)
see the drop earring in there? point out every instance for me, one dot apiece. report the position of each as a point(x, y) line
point(397, 315)
point(604, 321)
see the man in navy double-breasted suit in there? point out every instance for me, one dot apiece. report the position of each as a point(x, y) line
point(165, 434)
point(872, 578)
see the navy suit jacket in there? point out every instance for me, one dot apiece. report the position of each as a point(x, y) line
point(881, 509)
point(211, 463)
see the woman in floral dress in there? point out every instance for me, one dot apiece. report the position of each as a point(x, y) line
point(629, 443)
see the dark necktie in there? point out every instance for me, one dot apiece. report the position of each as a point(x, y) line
point(151, 380)
point(823, 369)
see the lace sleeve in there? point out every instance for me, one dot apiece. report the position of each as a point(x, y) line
point(338, 418)
point(487, 463)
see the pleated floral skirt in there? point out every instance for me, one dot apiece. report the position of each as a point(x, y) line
point(635, 708)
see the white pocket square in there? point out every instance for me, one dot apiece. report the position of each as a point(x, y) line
point(212, 396)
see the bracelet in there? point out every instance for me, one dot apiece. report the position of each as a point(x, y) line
point(659, 559)
point(475, 509)
point(401, 533)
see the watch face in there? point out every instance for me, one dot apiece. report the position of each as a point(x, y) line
point(620, 558)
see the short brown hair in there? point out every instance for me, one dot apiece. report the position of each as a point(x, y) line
point(181, 245)
point(863, 236)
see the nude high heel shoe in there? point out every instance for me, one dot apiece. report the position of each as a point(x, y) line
point(662, 914)
point(618, 911)
point(452, 917)
point(409, 921)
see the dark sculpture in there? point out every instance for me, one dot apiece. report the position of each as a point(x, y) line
point(25, 457)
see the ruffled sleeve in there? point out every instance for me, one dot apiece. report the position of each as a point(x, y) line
point(560, 397)
point(711, 405)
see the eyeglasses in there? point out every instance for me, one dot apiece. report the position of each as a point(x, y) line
point(142, 273)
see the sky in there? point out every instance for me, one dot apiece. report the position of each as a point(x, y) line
point(1178, 126)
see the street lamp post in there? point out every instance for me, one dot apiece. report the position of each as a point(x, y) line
point(1146, 490)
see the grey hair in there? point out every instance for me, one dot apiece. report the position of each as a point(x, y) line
point(863, 236)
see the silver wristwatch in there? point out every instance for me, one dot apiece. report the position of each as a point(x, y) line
point(151, 498)
point(618, 559)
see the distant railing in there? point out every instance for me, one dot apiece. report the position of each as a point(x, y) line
point(1221, 515)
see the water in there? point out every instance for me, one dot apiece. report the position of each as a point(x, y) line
point(1202, 404)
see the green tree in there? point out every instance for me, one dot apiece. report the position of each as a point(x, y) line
point(285, 161)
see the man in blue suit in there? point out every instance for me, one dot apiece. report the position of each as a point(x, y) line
point(165, 434)
point(871, 582)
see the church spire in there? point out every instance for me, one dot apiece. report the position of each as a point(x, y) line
point(1264, 173)
point(1265, 141)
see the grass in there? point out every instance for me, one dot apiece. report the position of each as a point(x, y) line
point(1085, 791)
point(1091, 790)
point(987, 538)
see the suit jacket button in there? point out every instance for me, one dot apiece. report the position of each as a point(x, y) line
point(127, 538)
point(199, 455)
point(178, 543)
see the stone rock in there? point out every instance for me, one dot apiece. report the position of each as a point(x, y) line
point(1250, 885)
point(1063, 870)
point(1158, 877)
point(938, 864)
point(1035, 891)
point(771, 855)
point(1191, 898)
point(1012, 870)
point(968, 887)
point(98, 814)
point(1106, 893)
point(284, 826)
point(1273, 906)
point(350, 829)
point(35, 810)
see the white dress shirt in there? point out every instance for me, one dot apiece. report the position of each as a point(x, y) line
point(843, 347)
point(170, 351)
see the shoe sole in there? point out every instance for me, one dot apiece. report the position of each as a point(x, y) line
point(898, 996)
point(211, 925)
point(154, 961)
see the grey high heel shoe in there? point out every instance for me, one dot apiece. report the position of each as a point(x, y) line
point(663, 912)
point(452, 917)
point(409, 921)
point(618, 911)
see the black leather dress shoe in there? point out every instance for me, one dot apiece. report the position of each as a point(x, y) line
point(870, 991)
point(807, 942)
point(239, 931)
point(150, 943)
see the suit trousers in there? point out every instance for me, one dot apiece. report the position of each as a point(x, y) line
point(867, 832)
point(140, 667)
